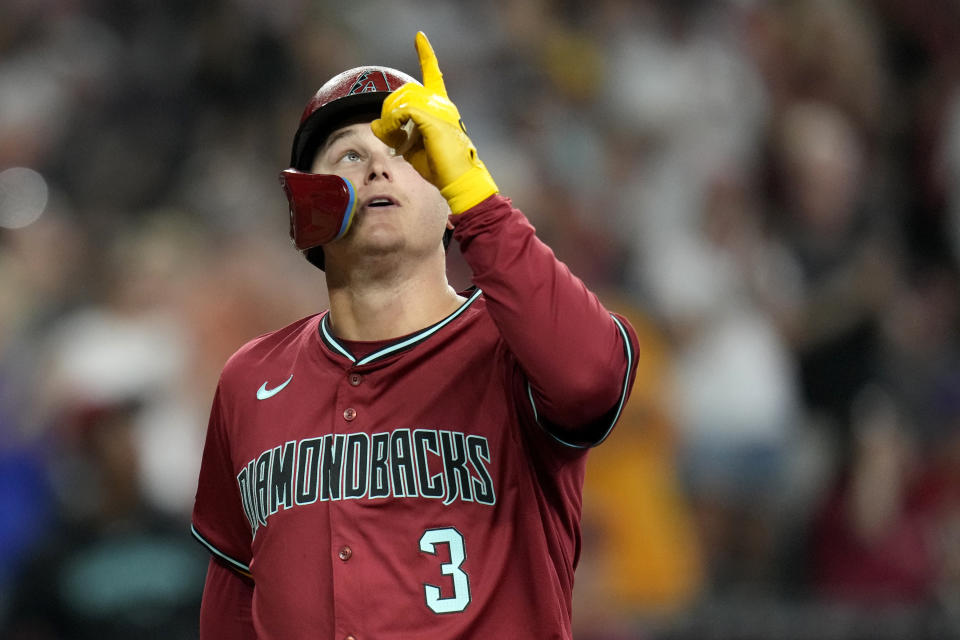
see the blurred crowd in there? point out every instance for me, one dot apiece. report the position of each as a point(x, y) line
point(769, 189)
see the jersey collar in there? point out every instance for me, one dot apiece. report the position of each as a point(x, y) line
point(401, 344)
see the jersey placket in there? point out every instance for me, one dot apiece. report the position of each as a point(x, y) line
point(351, 557)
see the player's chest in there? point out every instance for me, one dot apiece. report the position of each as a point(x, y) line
point(370, 438)
point(364, 409)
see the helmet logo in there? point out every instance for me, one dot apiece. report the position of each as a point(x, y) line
point(370, 81)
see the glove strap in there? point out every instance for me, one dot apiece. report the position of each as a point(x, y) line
point(470, 189)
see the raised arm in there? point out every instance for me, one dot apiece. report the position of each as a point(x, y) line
point(579, 358)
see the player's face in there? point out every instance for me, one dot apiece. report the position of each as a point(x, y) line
point(397, 209)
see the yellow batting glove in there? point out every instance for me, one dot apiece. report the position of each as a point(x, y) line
point(436, 144)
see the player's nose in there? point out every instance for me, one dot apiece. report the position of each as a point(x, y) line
point(378, 165)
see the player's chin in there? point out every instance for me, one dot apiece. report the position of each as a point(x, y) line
point(367, 238)
point(377, 243)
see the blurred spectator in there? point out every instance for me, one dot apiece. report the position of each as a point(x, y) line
point(951, 163)
point(113, 566)
point(684, 103)
point(871, 544)
point(25, 502)
point(920, 352)
point(822, 51)
point(642, 562)
point(735, 392)
point(844, 257)
point(939, 490)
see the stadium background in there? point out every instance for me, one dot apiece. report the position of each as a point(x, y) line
point(770, 189)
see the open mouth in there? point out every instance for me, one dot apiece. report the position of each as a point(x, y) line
point(378, 202)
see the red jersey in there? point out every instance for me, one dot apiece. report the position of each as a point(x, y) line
point(428, 486)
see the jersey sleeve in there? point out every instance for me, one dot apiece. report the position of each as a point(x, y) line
point(218, 521)
point(227, 607)
point(579, 358)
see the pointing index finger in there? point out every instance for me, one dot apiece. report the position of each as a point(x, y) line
point(429, 67)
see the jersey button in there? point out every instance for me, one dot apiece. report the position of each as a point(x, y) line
point(349, 414)
point(345, 553)
point(355, 379)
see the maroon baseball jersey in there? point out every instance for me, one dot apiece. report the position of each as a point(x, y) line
point(422, 487)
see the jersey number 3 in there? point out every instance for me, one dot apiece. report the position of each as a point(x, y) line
point(461, 582)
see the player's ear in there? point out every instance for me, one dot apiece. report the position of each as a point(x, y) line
point(449, 225)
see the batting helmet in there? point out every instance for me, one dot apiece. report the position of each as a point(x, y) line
point(354, 93)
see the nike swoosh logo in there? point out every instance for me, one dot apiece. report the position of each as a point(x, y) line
point(263, 393)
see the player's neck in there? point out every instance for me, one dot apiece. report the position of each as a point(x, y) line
point(365, 308)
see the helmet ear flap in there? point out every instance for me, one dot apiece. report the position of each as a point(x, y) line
point(322, 207)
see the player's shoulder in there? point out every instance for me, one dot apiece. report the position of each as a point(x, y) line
point(278, 344)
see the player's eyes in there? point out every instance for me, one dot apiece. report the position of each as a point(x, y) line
point(351, 155)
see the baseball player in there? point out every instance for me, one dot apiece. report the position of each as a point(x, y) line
point(409, 463)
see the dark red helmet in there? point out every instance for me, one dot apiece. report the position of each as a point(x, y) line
point(358, 92)
point(322, 206)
